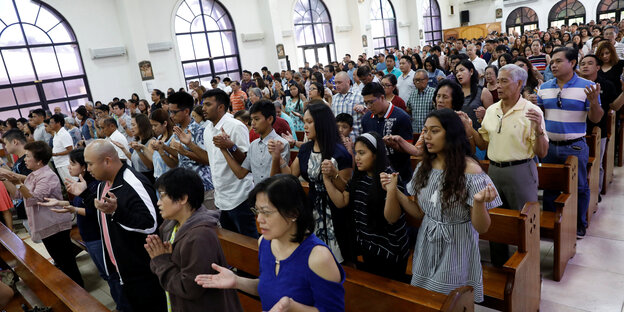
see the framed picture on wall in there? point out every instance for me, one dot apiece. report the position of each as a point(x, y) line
point(364, 41)
point(280, 51)
point(145, 67)
point(499, 13)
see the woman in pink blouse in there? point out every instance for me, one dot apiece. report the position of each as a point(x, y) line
point(45, 225)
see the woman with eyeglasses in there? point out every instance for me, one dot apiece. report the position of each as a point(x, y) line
point(323, 149)
point(298, 272)
point(389, 84)
point(317, 92)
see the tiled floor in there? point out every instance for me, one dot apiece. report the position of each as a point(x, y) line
point(593, 280)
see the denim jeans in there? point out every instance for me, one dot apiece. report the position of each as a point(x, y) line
point(240, 220)
point(94, 248)
point(558, 155)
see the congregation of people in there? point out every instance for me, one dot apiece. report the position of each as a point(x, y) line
point(150, 183)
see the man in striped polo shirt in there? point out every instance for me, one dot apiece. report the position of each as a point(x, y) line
point(568, 100)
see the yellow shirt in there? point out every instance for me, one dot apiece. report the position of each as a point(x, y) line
point(510, 136)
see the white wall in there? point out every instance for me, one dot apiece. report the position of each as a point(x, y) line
point(136, 23)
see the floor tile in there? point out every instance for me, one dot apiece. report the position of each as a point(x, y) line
point(547, 306)
point(586, 289)
point(600, 254)
point(607, 226)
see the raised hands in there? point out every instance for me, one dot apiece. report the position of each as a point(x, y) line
point(288, 137)
point(486, 195)
point(389, 181)
point(225, 279)
point(76, 187)
point(52, 202)
point(156, 247)
point(108, 203)
point(184, 136)
point(480, 112)
point(536, 120)
point(222, 140)
point(275, 148)
point(593, 92)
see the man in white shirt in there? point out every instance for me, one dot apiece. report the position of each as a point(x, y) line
point(405, 82)
point(62, 144)
point(223, 131)
point(478, 62)
point(609, 33)
point(123, 120)
point(108, 127)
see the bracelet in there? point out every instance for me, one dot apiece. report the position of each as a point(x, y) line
point(539, 134)
point(470, 138)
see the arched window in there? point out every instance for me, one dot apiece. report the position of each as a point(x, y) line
point(566, 12)
point(40, 62)
point(313, 32)
point(433, 22)
point(522, 19)
point(609, 8)
point(383, 25)
point(207, 41)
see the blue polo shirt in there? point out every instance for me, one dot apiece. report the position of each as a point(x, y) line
point(395, 122)
point(395, 71)
point(568, 121)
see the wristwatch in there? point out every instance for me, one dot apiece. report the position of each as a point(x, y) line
point(233, 148)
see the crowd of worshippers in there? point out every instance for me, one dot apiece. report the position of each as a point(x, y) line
point(150, 183)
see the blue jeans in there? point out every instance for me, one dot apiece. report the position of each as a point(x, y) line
point(558, 155)
point(94, 248)
point(240, 220)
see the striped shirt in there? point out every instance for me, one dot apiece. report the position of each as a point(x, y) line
point(568, 121)
point(619, 50)
point(539, 61)
point(344, 103)
point(420, 103)
point(446, 255)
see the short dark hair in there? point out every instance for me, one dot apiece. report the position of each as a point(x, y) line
point(104, 108)
point(120, 105)
point(179, 182)
point(408, 59)
point(160, 94)
point(330, 68)
point(598, 61)
point(109, 121)
point(264, 68)
point(265, 107)
point(220, 96)
point(39, 112)
point(457, 99)
point(374, 89)
point(59, 119)
point(244, 115)
point(294, 206)
point(502, 48)
point(363, 71)
point(182, 99)
point(435, 48)
point(14, 134)
point(246, 72)
point(40, 150)
point(82, 111)
point(571, 54)
point(346, 118)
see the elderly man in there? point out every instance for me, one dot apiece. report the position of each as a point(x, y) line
point(478, 62)
point(420, 102)
point(513, 132)
point(126, 210)
point(609, 33)
point(568, 101)
point(345, 101)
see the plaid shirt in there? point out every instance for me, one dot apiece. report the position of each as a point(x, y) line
point(344, 103)
point(420, 103)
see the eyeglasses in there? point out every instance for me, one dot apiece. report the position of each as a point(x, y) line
point(559, 104)
point(174, 111)
point(387, 85)
point(370, 103)
point(257, 212)
point(500, 123)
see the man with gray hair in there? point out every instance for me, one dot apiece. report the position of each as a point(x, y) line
point(420, 101)
point(513, 132)
point(610, 33)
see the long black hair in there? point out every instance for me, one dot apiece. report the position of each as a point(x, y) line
point(325, 127)
point(456, 149)
point(474, 77)
point(377, 196)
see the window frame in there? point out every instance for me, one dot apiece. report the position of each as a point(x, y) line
point(383, 19)
point(428, 19)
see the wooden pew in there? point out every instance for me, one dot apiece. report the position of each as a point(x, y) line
point(515, 286)
point(49, 284)
point(593, 171)
point(609, 160)
point(416, 136)
point(363, 291)
point(559, 225)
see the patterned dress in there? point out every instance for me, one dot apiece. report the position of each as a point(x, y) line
point(446, 255)
point(292, 107)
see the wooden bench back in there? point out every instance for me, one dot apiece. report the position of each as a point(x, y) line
point(49, 284)
point(593, 142)
point(514, 227)
point(363, 291)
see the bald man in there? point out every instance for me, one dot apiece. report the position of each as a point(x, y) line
point(346, 101)
point(126, 210)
